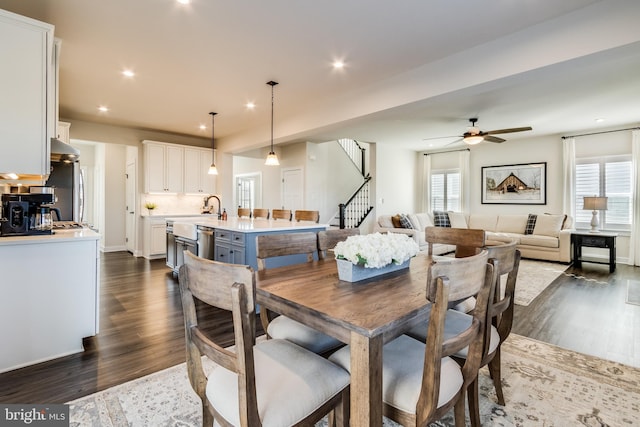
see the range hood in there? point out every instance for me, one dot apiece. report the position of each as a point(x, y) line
point(61, 151)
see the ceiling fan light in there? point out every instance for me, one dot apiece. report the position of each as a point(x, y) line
point(272, 159)
point(213, 170)
point(473, 139)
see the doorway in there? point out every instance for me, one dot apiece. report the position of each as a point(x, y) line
point(130, 222)
point(249, 190)
point(292, 188)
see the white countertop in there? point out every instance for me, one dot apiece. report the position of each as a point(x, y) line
point(247, 225)
point(58, 237)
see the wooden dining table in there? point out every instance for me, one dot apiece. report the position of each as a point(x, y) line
point(364, 314)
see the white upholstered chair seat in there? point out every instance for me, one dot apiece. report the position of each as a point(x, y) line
point(283, 327)
point(402, 365)
point(455, 322)
point(284, 373)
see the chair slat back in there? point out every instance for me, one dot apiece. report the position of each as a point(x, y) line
point(327, 239)
point(273, 245)
point(468, 241)
point(281, 214)
point(260, 213)
point(244, 212)
point(507, 260)
point(301, 215)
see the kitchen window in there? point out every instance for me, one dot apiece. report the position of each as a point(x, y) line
point(605, 177)
point(445, 190)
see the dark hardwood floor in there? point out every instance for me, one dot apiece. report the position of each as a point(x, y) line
point(141, 328)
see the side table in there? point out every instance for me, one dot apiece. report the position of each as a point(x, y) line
point(580, 239)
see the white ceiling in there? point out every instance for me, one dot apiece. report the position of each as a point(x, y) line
point(415, 69)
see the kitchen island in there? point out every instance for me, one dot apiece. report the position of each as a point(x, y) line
point(232, 240)
point(50, 295)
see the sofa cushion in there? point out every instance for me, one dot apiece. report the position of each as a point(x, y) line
point(396, 221)
point(540, 241)
point(385, 221)
point(548, 225)
point(511, 224)
point(531, 224)
point(441, 219)
point(425, 220)
point(483, 222)
point(405, 222)
point(493, 238)
point(457, 220)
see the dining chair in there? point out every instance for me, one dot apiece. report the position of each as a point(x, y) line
point(506, 260)
point(270, 246)
point(260, 213)
point(420, 380)
point(281, 214)
point(244, 213)
point(327, 239)
point(273, 382)
point(468, 241)
point(302, 215)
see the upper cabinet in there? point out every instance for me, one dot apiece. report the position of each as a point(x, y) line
point(164, 167)
point(27, 104)
point(196, 171)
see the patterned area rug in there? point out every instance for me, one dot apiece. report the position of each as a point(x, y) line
point(544, 385)
point(534, 277)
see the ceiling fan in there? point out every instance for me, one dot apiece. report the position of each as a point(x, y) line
point(474, 135)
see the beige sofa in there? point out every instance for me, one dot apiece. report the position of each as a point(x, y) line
point(549, 239)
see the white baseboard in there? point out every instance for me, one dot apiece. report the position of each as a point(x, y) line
point(113, 248)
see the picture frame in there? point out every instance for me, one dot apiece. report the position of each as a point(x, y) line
point(518, 184)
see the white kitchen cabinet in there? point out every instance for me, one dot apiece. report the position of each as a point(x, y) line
point(63, 132)
point(196, 171)
point(27, 87)
point(155, 243)
point(164, 167)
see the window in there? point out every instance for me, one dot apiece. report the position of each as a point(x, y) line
point(445, 190)
point(606, 177)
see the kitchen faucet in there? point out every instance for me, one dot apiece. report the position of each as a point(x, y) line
point(207, 209)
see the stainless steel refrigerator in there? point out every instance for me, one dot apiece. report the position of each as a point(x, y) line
point(66, 178)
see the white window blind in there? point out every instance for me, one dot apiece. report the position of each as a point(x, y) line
point(605, 177)
point(445, 190)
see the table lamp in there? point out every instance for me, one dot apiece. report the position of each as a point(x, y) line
point(595, 204)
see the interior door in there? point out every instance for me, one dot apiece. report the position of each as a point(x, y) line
point(292, 189)
point(130, 223)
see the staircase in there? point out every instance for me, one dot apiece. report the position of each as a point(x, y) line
point(353, 212)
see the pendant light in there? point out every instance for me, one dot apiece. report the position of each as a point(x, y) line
point(212, 169)
point(272, 159)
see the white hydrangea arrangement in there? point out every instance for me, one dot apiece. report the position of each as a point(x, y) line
point(377, 250)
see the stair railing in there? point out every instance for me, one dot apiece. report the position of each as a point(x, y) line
point(355, 152)
point(355, 210)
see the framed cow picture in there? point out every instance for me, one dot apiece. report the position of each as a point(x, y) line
point(521, 184)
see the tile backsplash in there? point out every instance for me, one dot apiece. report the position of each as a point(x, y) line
point(173, 204)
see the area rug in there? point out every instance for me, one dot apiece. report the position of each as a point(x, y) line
point(544, 385)
point(534, 277)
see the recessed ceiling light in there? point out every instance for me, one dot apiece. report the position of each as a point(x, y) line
point(250, 105)
point(338, 64)
point(203, 127)
point(103, 109)
point(184, 1)
point(599, 120)
point(128, 73)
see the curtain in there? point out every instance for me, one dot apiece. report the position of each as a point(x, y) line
point(569, 177)
point(465, 190)
point(426, 199)
point(634, 240)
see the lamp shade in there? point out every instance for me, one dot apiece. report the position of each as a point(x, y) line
point(473, 139)
point(595, 203)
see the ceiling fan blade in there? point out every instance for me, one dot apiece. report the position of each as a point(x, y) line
point(441, 137)
point(511, 130)
point(493, 138)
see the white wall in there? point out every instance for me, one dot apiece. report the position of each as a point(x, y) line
point(396, 180)
point(114, 198)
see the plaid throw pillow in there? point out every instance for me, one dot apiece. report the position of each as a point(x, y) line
point(441, 219)
point(405, 222)
point(531, 224)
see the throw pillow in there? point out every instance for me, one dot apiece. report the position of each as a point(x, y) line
point(441, 219)
point(396, 221)
point(405, 222)
point(548, 225)
point(457, 220)
point(531, 224)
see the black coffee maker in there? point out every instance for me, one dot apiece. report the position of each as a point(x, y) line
point(25, 214)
